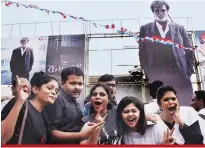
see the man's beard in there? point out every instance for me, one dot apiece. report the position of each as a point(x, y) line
point(165, 18)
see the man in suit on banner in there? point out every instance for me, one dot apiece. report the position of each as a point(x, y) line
point(22, 59)
point(168, 63)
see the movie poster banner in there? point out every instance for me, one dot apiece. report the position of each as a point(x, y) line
point(22, 57)
point(64, 51)
point(200, 42)
point(25, 56)
point(171, 64)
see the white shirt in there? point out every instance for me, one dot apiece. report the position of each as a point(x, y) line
point(152, 107)
point(188, 116)
point(202, 111)
point(23, 50)
point(153, 135)
point(162, 33)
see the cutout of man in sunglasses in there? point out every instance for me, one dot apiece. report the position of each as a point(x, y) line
point(170, 64)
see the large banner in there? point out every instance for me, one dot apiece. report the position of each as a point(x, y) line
point(200, 42)
point(171, 64)
point(24, 56)
point(12, 59)
point(65, 51)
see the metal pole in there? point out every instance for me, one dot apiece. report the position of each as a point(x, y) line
point(20, 29)
point(198, 71)
point(111, 61)
point(11, 30)
point(52, 28)
point(35, 30)
point(59, 28)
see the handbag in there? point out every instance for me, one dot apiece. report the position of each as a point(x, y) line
point(23, 124)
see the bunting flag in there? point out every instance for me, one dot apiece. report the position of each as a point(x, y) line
point(111, 26)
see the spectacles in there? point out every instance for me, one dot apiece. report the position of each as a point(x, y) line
point(158, 10)
point(110, 85)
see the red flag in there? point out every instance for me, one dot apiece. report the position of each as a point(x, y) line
point(107, 26)
point(113, 26)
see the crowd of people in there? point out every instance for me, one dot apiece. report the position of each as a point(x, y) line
point(42, 112)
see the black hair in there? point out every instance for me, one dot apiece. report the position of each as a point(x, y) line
point(71, 71)
point(14, 82)
point(24, 39)
point(162, 90)
point(200, 95)
point(158, 3)
point(39, 79)
point(153, 88)
point(106, 78)
point(142, 123)
point(109, 106)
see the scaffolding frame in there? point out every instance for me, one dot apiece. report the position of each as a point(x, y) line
point(86, 29)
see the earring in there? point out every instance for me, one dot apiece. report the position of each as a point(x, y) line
point(160, 111)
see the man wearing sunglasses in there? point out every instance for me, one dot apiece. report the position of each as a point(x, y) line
point(168, 63)
point(22, 59)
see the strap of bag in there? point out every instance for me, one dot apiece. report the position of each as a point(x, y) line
point(23, 124)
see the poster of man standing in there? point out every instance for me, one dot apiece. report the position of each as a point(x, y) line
point(168, 63)
point(24, 57)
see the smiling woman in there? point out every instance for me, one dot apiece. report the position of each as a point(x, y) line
point(133, 127)
point(24, 122)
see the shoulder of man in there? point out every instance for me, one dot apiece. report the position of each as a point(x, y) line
point(16, 49)
point(87, 105)
point(177, 25)
point(147, 25)
point(29, 49)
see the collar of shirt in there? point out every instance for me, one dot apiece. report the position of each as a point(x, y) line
point(202, 111)
point(23, 50)
point(154, 100)
point(163, 33)
point(62, 93)
point(114, 100)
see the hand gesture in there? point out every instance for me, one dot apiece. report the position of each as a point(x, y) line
point(98, 117)
point(88, 128)
point(167, 138)
point(152, 118)
point(176, 116)
point(23, 90)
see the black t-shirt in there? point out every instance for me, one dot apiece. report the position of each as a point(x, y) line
point(64, 115)
point(35, 130)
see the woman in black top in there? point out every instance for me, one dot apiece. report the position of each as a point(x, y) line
point(44, 92)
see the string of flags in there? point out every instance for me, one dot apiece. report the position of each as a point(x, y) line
point(121, 31)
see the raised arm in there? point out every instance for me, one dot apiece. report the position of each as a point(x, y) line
point(9, 123)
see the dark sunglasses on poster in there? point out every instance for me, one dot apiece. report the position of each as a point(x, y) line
point(158, 10)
